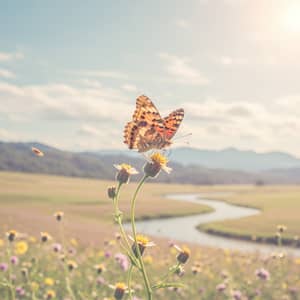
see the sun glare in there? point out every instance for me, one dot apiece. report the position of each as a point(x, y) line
point(292, 17)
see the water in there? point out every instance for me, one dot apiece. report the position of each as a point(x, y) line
point(183, 229)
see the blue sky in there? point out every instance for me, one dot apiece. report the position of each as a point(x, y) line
point(70, 71)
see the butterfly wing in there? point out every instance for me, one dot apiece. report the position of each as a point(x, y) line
point(172, 123)
point(148, 130)
point(145, 118)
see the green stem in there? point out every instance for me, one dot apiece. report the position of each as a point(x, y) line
point(129, 281)
point(11, 285)
point(67, 279)
point(132, 218)
point(171, 271)
point(118, 215)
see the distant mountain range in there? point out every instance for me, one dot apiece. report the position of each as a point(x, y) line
point(229, 166)
point(227, 159)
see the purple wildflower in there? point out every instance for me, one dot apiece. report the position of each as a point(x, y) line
point(122, 260)
point(100, 280)
point(262, 274)
point(237, 295)
point(14, 260)
point(56, 247)
point(20, 291)
point(221, 287)
point(3, 267)
point(107, 254)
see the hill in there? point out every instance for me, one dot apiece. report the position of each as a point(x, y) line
point(19, 157)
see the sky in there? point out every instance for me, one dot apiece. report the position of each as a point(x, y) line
point(70, 71)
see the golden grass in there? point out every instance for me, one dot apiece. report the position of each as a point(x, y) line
point(28, 202)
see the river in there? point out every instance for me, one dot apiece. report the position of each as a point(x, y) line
point(183, 229)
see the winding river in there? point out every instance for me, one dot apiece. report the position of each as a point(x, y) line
point(183, 229)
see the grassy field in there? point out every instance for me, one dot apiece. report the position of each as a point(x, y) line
point(280, 205)
point(29, 201)
point(31, 269)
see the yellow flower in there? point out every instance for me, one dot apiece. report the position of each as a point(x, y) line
point(45, 236)
point(1, 243)
point(50, 294)
point(156, 163)
point(49, 281)
point(11, 235)
point(72, 265)
point(125, 171)
point(34, 286)
point(148, 259)
point(143, 242)
point(59, 215)
point(281, 228)
point(120, 289)
point(74, 242)
point(297, 261)
point(184, 254)
point(100, 268)
point(21, 248)
point(32, 239)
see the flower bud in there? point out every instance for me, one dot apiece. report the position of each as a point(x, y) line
point(119, 290)
point(111, 191)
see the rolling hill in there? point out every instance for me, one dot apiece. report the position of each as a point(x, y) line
point(19, 157)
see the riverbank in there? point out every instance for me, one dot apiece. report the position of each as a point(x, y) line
point(278, 205)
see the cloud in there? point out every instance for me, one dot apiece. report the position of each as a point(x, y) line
point(129, 87)
point(7, 74)
point(229, 60)
point(101, 74)
point(182, 23)
point(10, 56)
point(248, 125)
point(63, 102)
point(181, 71)
point(6, 135)
point(89, 130)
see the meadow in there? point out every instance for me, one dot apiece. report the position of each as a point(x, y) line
point(33, 268)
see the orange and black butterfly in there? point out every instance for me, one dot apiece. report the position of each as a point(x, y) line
point(148, 130)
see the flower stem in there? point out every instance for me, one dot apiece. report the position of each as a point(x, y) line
point(132, 218)
point(118, 215)
point(129, 281)
point(10, 280)
point(66, 273)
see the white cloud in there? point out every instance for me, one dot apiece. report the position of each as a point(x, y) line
point(182, 23)
point(61, 101)
point(89, 130)
point(129, 87)
point(247, 125)
point(101, 74)
point(6, 135)
point(10, 56)
point(181, 71)
point(7, 74)
point(229, 60)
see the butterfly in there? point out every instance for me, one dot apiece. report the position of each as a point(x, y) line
point(148, 130)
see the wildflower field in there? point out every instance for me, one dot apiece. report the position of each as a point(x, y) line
point(58, 241)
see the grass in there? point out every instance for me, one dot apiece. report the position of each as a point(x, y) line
point(27, 198)
point(29, 201)
point(278, 204)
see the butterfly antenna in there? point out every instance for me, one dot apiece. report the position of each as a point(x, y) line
point(181, 136)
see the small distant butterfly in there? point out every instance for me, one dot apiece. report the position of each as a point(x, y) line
point(37, 151)
point(148, 130)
